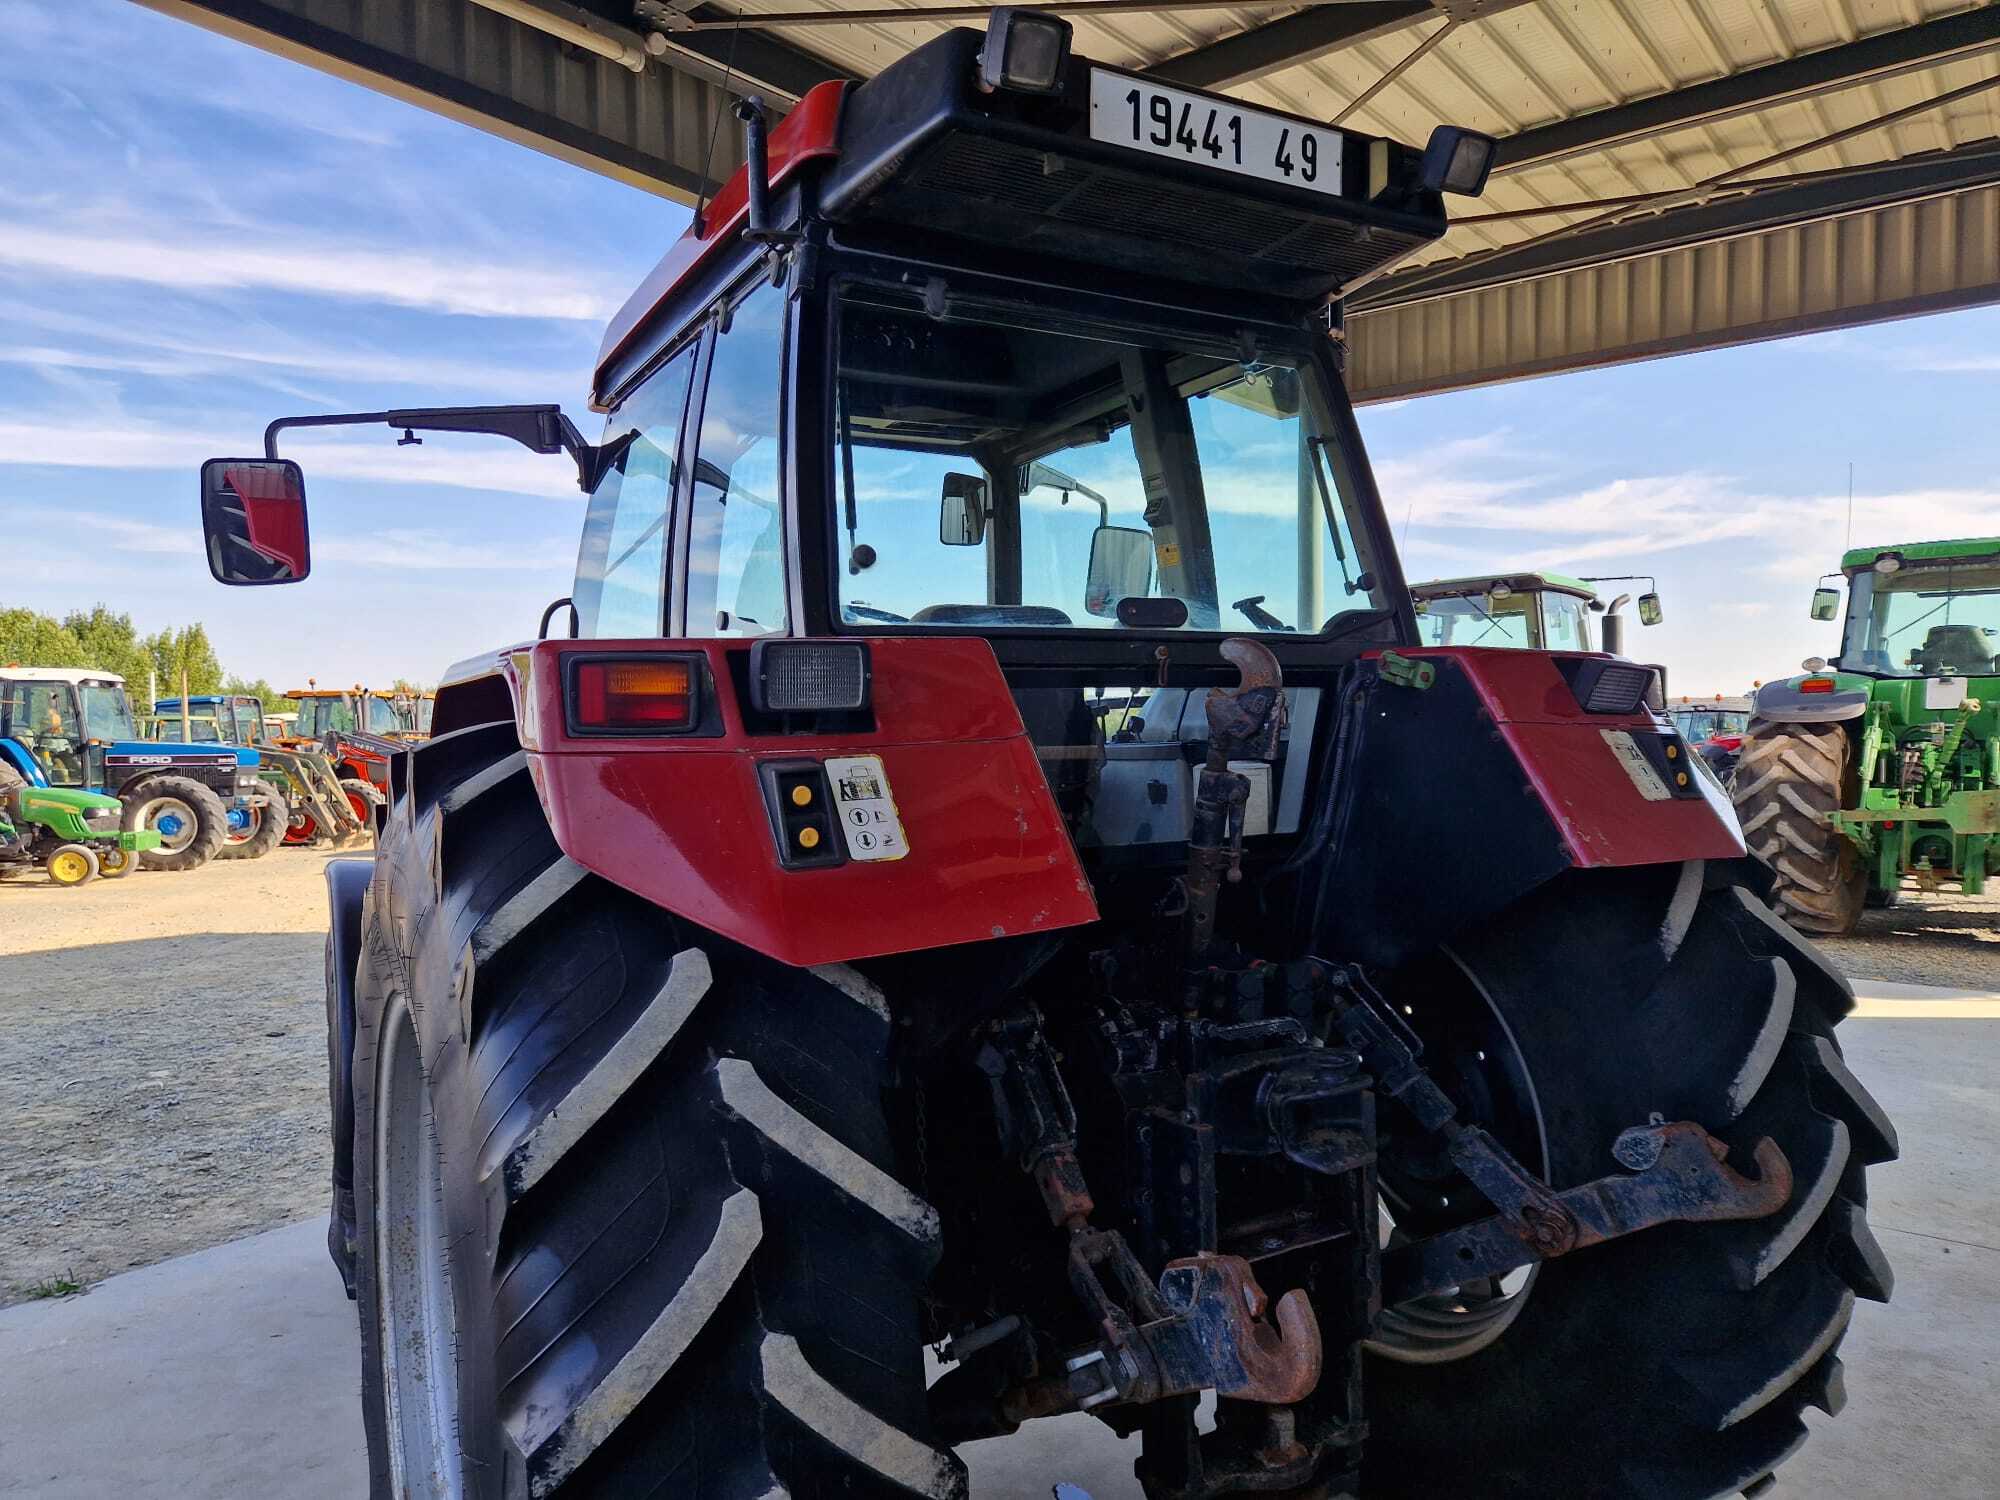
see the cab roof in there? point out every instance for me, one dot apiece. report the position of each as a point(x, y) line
point(1859, 559)
point(921, 154)
point(1527, 581)
point(75, 676)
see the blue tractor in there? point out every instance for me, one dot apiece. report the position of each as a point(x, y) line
point(71, 727)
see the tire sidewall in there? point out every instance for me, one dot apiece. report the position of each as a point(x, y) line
point(486, 1463)
point(210, 820)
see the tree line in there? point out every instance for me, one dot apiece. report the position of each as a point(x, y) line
point(100, 640)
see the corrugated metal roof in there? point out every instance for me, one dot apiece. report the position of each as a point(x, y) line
point(1527, 65)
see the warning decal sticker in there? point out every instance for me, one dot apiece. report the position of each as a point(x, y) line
point(1633, 759)
point(867, 810)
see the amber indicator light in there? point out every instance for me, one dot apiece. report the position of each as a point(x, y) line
point(633, 696)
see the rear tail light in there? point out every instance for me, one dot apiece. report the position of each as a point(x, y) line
point(633, 695)
point(1816, 685)
point(790, 677)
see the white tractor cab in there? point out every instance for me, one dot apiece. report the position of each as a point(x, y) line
point(1530, 610)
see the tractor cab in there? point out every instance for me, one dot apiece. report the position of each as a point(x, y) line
point(1532, 610)
point(212, 718)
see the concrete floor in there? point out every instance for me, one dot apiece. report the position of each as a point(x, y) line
point(232, 1373)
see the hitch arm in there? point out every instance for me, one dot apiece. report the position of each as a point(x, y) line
point(1681, 1177)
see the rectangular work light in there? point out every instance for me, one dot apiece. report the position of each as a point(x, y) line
point(1024, 51)
point(793, 677)
point(1458, 160)
point(632, 695)
point(1611, 687)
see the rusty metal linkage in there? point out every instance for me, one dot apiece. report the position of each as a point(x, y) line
point(1685, 1179)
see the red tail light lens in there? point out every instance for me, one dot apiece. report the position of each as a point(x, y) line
point(1816, 685)
point(633, 696)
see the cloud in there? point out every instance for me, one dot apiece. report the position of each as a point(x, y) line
point(201, 258)
point(129, 444)
point(403, 549)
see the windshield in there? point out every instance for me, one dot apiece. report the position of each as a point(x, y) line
point(167, 729)
point(1707, 723)
point(318, 715)
point(1478, 620)
point(107, 714)
point(1936, 619)
point(1013, 476)
point(382, 717)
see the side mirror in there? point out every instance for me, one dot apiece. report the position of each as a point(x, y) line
point(1121, 566)
point(1650, 612)
point(1826, 604)
point(962, 511)
point(253, 520)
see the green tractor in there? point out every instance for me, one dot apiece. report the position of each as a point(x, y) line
point(1886, 762)
point(1529, 609)
point(73, 835)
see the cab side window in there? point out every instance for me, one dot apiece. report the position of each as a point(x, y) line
point(621, 565)
point(736, 536)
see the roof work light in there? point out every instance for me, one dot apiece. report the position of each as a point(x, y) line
point(1024, 51)
point(1458, 160)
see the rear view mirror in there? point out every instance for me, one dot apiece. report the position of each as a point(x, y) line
point(1650, 612)
point(253, 520)
point(1826, 604)
point(1121, 566)
point(962, 511)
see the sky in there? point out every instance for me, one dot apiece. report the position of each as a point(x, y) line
point(196, 237)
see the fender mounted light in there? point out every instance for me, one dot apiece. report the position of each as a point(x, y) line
point(1816, 685)
point(633, 695)
point(797, 677)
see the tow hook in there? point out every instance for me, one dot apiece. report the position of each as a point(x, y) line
point(1681, 1176)
point(1207, 1325)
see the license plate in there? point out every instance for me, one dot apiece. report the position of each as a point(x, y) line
point(1128, 111)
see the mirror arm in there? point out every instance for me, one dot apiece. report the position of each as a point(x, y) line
point(542, 428)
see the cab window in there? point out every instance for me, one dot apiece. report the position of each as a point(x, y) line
point(736, 535)
point(621, 565)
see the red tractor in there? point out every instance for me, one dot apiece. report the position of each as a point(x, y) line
point(779, 972)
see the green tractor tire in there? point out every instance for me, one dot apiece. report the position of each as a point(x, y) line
point(1789, 778)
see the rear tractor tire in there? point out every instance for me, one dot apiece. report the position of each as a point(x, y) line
point(1673, 1364)
point(265, 831)
point(189, 817)
point(628, 1214)
point(1789, 778)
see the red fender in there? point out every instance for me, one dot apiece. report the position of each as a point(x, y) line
point(682, 821)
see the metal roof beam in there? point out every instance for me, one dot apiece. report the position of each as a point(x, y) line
point(1905, 50)
point(1296, 38)
point(1822, 196)
point(750, 59)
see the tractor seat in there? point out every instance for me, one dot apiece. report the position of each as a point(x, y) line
point(1958, 648)
point(989, 614)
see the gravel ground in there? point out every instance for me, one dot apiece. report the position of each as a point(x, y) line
point(162, 1064)
point(163, 1054)
point(1943, 938)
